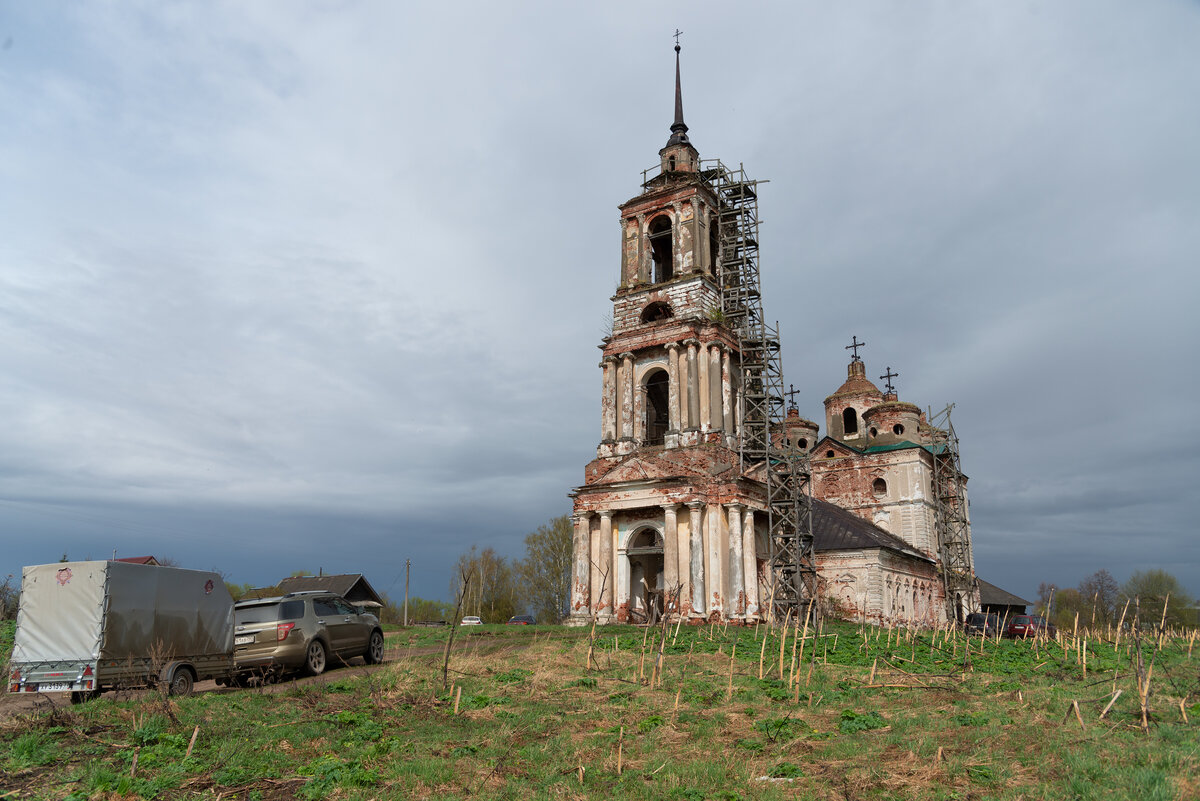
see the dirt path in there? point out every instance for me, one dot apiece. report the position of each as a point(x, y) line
point(12, 704)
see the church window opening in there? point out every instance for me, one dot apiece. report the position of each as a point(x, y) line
point(879, 487)
point(657, 311)
point(671, 163)
point(657, 414)
point(714, 246)
point(662, 248)
point(828, 454)
point(897, 429)
point(850, 421)
point(802, 443)
point(874, 431)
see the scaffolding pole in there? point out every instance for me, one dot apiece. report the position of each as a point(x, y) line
point(951, 521)
point(786, 471)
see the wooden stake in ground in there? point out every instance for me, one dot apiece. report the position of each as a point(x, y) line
point(729, 690)
point(762, 652)
point(783, 641)
point(196, 732)
point(620, 748)
point(1111, 701)
point(466, 582)
point(457, 698)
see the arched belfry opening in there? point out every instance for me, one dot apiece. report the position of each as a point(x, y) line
point(658, 417)
point(662, 248)
point(849, 421)
point(646, 588)
point(656, 312)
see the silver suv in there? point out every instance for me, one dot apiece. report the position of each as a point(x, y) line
point(302, 631)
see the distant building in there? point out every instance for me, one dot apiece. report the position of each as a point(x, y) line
point(354, 587)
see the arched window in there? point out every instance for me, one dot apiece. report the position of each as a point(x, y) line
point(645, 541)
point(662, 248)
point(850, 421)
point(671, 164)
point(829, 454)
point(879, 487)
point(874, 431)
point(656, 311)
point(658, 417)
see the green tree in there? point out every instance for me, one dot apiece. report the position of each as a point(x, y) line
point(492, 589)
point(545, 572)
point(1150, 589)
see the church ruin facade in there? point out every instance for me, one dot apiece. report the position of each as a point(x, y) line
point(673, 520)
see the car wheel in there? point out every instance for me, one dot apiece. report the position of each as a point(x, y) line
point(181, 682)
point(314, 659)
point(374, 653)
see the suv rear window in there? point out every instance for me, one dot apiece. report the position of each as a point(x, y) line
point(268, 613)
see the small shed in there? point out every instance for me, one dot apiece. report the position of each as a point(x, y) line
point(354, 587)
point(1002, 602)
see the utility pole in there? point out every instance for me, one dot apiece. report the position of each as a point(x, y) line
point(407, 565)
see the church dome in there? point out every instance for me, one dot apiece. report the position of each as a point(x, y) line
point(800, 432)
point(892, 421)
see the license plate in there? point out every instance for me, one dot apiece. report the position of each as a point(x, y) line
point(54, 687)
point(245, 639)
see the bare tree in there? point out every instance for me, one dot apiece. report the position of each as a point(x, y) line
point(545, 572)
point(492, 591)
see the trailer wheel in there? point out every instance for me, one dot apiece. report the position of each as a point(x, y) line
point(181, 682)
point(78, 697)
point(314, 659)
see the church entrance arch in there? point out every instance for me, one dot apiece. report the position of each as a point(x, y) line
point(645, 552)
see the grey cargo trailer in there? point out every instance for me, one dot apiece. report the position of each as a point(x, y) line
point(85, 627)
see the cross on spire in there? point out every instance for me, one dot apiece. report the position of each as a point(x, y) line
point(854, 346)
point(888, 376)
point(791, 396)
point(677, 34)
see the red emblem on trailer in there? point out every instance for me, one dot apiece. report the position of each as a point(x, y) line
point(63, 576)
point(208, 587)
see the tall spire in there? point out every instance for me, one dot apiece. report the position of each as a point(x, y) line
point(678, 128)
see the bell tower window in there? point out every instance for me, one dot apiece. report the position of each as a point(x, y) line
point(850, 421)
point(657, 409)
point(661, 248)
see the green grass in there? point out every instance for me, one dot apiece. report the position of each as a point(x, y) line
point(531, 716)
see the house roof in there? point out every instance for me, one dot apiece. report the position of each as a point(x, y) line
point(339, 585)
point(835, 529)
point(991, 594)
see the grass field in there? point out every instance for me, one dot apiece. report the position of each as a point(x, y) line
point(864, 714)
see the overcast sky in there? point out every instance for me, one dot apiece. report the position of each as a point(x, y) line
point(297, 286)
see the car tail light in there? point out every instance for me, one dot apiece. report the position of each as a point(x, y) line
point(15, 685)
point(282, 630)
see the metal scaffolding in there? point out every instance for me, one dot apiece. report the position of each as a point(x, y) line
point(787, 474)
point(950, 518)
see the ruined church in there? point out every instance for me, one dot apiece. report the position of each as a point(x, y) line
point(672, 521)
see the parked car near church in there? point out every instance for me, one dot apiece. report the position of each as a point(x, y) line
point(303, 631)
point(1029, 626)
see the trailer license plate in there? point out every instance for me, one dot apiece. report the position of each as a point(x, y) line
point(54, 687)
point(245, 639)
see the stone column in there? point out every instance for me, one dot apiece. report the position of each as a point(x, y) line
point(581, 570)
point(627, 396)
point(715, 581)
point(608, 402)
point(683, 566)
point(639, 412)
point(727, 393)
point(737, 591)
point(696, 568)
point(717, 417)
point(673, 387)
point(643, 270)
point(693, 384)
point(620, 579)
point(604, 588)
point(704, 389)
point(750, 563)
point(670, 552)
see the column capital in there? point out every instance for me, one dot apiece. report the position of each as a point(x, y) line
point(578, 516)
point(692, 342)
point(609, 359)
point(627, 355)
point(718, 344)
point(734, 506)
point(669, 507)
point(605, 514)
point(672, 346)
point(694, 505)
